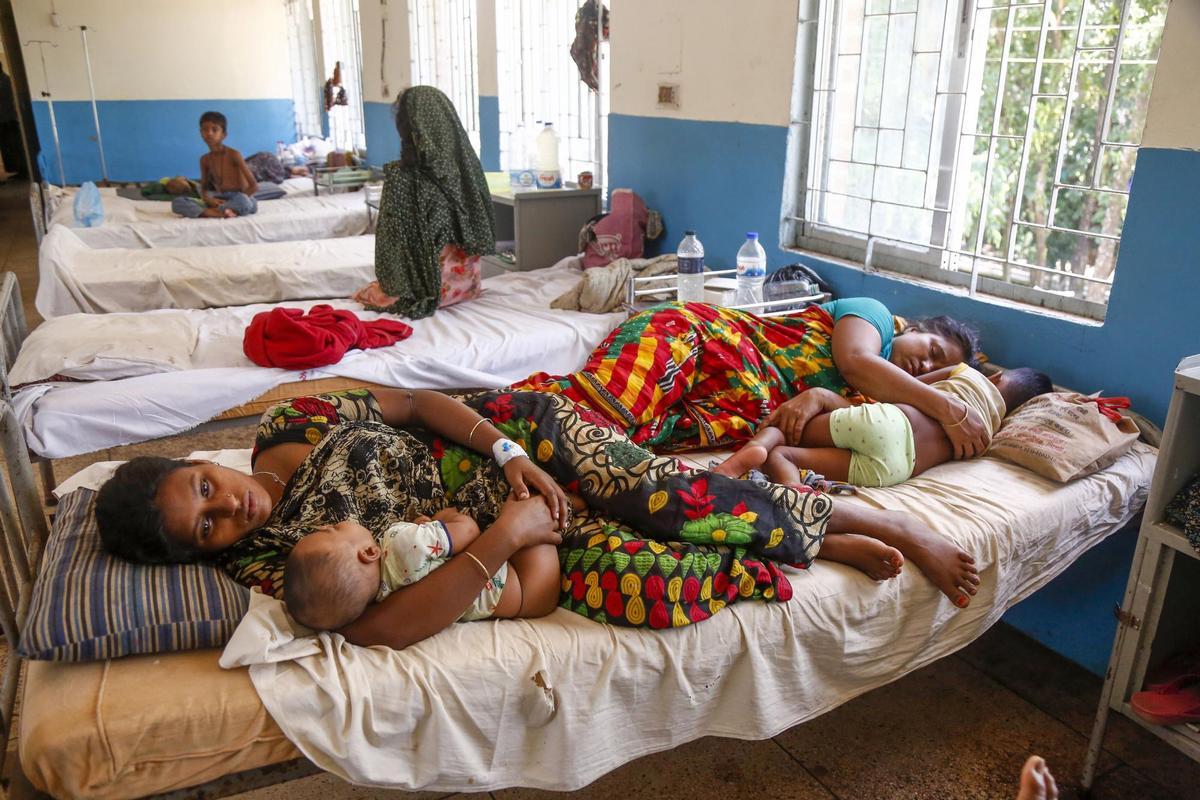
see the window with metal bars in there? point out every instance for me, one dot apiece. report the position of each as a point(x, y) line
point(539, 83)
point(306, 89)
point(987, 144)
point(341, 43)
point(444, 54)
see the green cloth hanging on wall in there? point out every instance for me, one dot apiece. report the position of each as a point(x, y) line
point(439, 197)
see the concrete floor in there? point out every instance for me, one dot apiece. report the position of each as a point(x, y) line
point(960, 728)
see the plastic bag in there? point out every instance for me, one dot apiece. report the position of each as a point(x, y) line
point(89, 211)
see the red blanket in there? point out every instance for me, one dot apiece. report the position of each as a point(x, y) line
point(291, 339)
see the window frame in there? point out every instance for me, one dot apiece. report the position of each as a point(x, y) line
point(806, 167)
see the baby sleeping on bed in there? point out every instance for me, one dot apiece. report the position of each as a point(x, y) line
point(335, 572)
point(883, 444)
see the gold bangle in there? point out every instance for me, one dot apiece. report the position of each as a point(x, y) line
point(487, 576)
point(966, 413)
point(473, 427)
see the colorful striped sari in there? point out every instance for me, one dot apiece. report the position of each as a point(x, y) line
point(692, 376)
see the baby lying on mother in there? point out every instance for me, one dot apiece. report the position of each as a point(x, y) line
point(657, 546)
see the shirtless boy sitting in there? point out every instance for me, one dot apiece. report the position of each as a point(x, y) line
point(226, 186)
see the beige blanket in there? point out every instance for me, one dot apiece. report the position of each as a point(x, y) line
point(602, 289)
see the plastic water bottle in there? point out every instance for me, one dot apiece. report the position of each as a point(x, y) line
point(691, 269)
point(520, 166)
point(549, 174)
point(751, 271)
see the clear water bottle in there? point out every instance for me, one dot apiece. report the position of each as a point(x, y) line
point(691, 269)
point(751, 271)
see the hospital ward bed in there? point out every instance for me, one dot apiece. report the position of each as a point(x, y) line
point(147, 223)
point(74, 278)
point(88, 382)
point(565, 699)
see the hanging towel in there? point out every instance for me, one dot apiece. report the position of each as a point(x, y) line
point(291, 339)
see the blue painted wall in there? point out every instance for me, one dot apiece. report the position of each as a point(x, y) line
point(147, 139)
point(724, 179)
point(383, 144)
point(489, 132)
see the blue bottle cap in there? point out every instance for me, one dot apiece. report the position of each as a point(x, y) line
point(752, 235)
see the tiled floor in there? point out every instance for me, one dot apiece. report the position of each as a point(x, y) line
point(959, 728)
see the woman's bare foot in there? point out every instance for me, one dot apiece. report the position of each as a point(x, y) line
point(878, 560)
point(1036, 781)
point(751, 456)
point(950, 568)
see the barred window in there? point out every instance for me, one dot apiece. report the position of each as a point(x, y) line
point(539, 82)
point(444, 54)
point(988, 144)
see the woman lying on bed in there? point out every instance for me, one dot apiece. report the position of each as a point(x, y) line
point(658, 547)
point(683, 377)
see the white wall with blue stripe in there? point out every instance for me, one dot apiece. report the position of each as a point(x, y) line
point(157, 67)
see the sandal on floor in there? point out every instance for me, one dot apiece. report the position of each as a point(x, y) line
point(1175, 703)
point(1183, 664)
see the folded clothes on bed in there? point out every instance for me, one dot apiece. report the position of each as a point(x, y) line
point(291, 339)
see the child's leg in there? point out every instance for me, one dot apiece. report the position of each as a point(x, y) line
point(752, 454)
point(240, 204)
point(878, 560)
point(784, 463)
point(537, 571)
point(188, 207)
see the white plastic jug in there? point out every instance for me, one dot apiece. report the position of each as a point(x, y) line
point(549, 175)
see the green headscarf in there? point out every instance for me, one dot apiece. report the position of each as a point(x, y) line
point(431, 198)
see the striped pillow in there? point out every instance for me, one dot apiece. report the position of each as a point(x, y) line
point(88, 605)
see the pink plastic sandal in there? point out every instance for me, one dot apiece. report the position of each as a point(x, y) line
point(1174, 703)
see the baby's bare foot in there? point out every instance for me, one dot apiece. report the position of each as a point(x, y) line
point(229, 213)
point(878, 560)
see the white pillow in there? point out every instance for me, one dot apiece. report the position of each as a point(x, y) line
point(116, 209)
point(97, 347)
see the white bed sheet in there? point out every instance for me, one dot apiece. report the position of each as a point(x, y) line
point(74, 278)
point(149, 223)
point(506, 334)
point(464, 709)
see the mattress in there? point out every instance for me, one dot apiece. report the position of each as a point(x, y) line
point(75, 278)
point(150, 223)
point(158, 373)
point(749, 672)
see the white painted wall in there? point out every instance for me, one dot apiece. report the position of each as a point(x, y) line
point(485, 24)
point(397, 64)
point(732, 61)
point(1173, 119)
point(160, 49)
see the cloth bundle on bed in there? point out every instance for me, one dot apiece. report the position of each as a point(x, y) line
point(75, 278)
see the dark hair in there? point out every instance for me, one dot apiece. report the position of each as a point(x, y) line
point(215, 116)
point(316, 583)
point(1024, 384)
point(408, 148)
point(131, 526)
point(954, 331)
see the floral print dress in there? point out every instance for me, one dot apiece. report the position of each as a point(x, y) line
point(657, 547)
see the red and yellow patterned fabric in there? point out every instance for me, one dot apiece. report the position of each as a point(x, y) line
point(688, 376)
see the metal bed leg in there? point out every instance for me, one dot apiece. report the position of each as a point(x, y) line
point(48, 482)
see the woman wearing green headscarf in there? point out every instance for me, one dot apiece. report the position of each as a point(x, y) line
point(435, 214)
